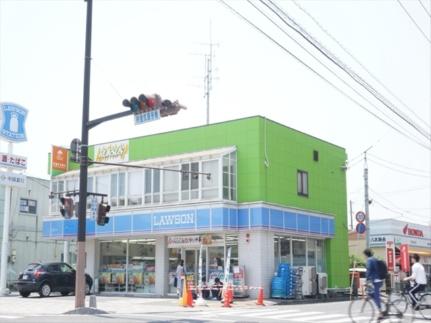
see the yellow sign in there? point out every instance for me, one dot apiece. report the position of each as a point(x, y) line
point(112, 152)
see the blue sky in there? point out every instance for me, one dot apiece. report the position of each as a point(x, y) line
point(159, 46)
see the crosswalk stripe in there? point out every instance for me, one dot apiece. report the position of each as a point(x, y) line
point(291, 315)
point(10, 317)
point(348, 319)
point(318, 317)
point(277, 312)
point(247, 311)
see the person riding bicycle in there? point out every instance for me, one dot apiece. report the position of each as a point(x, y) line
point(419, 278)
point(372, 277)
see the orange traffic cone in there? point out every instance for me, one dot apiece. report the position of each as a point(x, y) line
point(185, 293)
point(226, 298)
point(230, 294)
point(189, 297)
point(260, 297)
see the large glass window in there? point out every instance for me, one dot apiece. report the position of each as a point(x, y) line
point(118, 189)
point(142, 266)
point(229, 176)
point(210, 186)
point(135, 188)
point(311, 252)
point(189, 181)
point(171, 183)
point(298, 252)
point(320, 256)
point(112, 272)
point(152, 186)
point(56, 187)
point(102, 184)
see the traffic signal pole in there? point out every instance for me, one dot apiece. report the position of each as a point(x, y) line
point(82, 211)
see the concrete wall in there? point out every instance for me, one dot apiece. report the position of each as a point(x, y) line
point(25, 230)
point(257, 255)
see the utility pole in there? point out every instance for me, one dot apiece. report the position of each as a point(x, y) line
point(366, 201)
point(80, 261)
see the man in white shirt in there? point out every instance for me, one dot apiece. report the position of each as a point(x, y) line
point(419, 277)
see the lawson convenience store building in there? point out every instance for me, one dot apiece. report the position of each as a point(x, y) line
point(274, 195)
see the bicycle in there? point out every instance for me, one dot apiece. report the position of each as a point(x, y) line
point(403, 301)
point(363, 310)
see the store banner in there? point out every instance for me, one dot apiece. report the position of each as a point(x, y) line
point(390, 255)
point(404, 258)
point(59, 158)
point(184, 241)
point(115, 152)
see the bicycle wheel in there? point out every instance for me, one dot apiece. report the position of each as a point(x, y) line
point(425, 306)
point(399, 302)
point(361, 311)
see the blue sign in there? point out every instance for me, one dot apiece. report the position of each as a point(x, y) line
point(12, 122)
point(149, 116)
point(360, 227)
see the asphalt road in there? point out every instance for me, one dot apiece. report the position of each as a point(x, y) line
point(322, 313)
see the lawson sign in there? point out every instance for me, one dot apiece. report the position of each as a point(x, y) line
point(12, 122)
point(174, 220)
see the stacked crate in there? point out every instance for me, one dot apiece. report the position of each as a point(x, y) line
point(283, 285)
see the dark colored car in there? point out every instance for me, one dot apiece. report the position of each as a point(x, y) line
point(45, 278)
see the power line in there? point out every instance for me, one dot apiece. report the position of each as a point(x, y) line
point(414, 189)
point(319, 75)
point(398, 170)
point(414, 21)
point(425, 9)
point(325, 66)
point(359, 62)
point(328, 54)
point(410, 216)
point(399, 165)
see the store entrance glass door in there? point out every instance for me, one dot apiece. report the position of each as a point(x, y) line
point(191, 265)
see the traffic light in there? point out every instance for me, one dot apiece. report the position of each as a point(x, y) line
point(66, 207)
point(133, 104)
point(103, 208)
point(75, 150)
point(169, 108)
point(145, 103)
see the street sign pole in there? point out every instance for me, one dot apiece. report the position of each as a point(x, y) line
point(5, 239)
point(80, 261)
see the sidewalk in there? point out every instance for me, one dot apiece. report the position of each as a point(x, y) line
point(35, 305)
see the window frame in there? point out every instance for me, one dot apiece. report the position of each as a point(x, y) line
point(301, 179)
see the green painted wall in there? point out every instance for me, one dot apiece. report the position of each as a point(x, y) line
point(288, 151)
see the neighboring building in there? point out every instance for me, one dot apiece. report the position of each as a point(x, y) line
point(274, 195)
point(416, 236)
point(26, 243)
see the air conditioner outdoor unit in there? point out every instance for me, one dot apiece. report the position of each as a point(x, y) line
point(309, 281)
point(322, 283)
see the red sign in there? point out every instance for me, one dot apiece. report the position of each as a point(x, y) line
point(59, 158)
point(413, 232)
point(404, 258)
point(390, 255)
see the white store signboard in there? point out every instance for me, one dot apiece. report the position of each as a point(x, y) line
point(13, 161)
point(12, 179)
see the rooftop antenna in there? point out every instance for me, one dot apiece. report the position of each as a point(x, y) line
point(208, 76)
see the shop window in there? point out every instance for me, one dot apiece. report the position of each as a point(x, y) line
point(102, 184)
point(174, 260)
point(229, 176)
point(134, 188)
point(118, 189)
point(302, 183)
point(210, 186)
point(189, 181)
point(152, 186)
point(170, 184)
point(320, 260)
point(216, 262)
point(285, 250)
point(311, 252)
point(112, 273)
point(141, 266)
point(298, 252)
